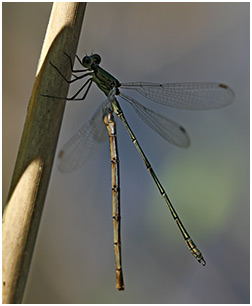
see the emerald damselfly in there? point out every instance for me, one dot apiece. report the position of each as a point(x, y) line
point(191, 96)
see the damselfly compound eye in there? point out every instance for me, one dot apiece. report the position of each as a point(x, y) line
point(96, 58)
point(86, 62)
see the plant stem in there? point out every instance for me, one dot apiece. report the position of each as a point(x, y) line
point(37, 149)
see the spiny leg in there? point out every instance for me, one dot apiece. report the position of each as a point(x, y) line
point(72, 65)
point(71, 81)
point(78, 59)
point(89, 82)
point(82, 87)
point(74, 96)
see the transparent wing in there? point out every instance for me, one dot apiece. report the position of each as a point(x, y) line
point(169, 130)
point(191, 96)
point(84, 142)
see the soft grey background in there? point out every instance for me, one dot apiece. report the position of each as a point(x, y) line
point(208, 183)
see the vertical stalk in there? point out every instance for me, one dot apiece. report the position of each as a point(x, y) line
point(37, 148)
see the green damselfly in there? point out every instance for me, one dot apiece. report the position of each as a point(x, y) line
point(191, 96)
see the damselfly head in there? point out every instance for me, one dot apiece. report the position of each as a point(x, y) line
point(91, 61)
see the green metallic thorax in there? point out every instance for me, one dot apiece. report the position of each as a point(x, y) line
point(104, 80)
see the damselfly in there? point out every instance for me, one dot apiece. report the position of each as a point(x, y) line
point(191, 96)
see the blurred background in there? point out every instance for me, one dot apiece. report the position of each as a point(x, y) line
point(208, 183)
